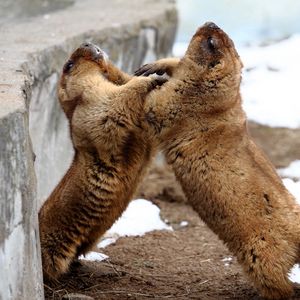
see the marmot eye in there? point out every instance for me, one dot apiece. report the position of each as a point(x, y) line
point(211, 43)
point(68, 66)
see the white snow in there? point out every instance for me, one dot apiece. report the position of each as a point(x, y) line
point(93, 256)
point(107, 241)
point(270, 84)
point(270, 87)
point(293, 187)
point(226, 259)
point(295, 274)
point(292, 171)
point(184, 223)
point(140, 217)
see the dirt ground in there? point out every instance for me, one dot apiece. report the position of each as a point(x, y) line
point(186, 263)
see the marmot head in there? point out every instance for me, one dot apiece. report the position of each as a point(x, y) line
point(83, 85)
point(85, 62)
point(214, 52)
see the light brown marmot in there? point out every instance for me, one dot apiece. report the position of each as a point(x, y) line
point(228, 180)
point(112, 149)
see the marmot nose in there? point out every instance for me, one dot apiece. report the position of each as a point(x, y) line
point(211, 25)
point(88, 45)
point(92, 49)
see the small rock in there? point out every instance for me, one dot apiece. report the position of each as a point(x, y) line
point(184, 223)
point(75, 296)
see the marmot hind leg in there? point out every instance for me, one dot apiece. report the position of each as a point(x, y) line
point(268, 267)
point(55, 263)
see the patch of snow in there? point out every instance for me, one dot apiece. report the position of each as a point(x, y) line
point(270, 86)
point(295, 274)
point(292, 171)
point(107, 241)
point(140, 217)
point(227, 259)
point(183, 223)
point(293, 187)
point(93, 256)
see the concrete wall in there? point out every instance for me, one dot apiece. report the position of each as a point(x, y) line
point(22, 9)
point(32, 52)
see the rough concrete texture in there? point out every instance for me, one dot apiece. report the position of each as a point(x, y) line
point(21, 9)
point(32, 52)
point(19, 257)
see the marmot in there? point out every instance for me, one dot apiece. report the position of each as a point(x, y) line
point(227, 179)
point(112, 149)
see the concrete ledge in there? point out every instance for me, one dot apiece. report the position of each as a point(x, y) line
point(32, 53)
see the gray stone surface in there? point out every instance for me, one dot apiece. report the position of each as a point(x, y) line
point(20, 9)
point(35, 42)
point(19, 253)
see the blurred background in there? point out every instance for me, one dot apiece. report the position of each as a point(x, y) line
point(248, 22)
point(37, 36)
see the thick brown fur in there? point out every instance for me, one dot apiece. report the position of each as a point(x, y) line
point(112, 149)
point(235, 189)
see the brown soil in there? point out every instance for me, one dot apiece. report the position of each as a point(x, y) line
point(182, 264)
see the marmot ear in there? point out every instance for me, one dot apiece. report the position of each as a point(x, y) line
point(105, 68)
point(105, 73)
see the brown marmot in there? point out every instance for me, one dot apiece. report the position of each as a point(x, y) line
point(112, 149)
point(228, 180)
